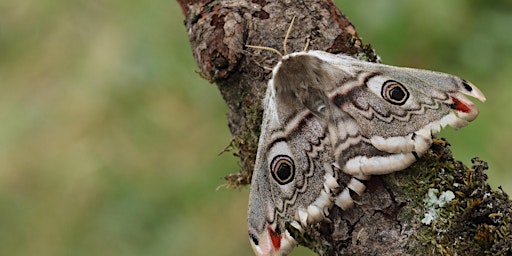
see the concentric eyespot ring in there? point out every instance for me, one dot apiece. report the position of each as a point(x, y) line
point(282, 169)
point(394, 92)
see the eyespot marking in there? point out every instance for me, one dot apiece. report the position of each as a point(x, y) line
point(282, 169)
point(394, 92)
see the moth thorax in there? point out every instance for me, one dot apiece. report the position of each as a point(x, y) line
point(300, 79)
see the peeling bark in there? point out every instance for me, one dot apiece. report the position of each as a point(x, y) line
point(387, 219)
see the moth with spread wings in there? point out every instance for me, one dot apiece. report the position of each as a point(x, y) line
point(327, 114)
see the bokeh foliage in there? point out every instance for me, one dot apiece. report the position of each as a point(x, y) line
point(109, 140)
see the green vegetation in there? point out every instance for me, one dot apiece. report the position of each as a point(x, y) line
point(109, 140)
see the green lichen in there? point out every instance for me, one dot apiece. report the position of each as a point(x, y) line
point(476, 221)
point(433, 203)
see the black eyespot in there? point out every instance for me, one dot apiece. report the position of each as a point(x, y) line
point(282, 169)
point(254, 239)
point(467, 86)
point(394, 92)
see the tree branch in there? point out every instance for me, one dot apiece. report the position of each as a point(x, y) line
point(388, 217)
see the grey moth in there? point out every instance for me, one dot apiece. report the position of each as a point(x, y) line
point(327, 114)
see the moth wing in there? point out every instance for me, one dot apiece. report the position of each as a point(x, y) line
point(291, 130)
point(385, 116)
point(431, 101)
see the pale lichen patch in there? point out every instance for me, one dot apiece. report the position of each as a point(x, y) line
point(433, 203)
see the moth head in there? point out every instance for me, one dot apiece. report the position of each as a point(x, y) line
point(273, 177)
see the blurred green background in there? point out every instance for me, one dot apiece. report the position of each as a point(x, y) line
point(109, 140)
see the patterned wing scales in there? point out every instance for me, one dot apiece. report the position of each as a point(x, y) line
point(391, 114)
point(326, 113)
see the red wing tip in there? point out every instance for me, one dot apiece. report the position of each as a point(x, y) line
point(460, 106)
point(275, 237)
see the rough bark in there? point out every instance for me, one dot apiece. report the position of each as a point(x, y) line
point(387, 219)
